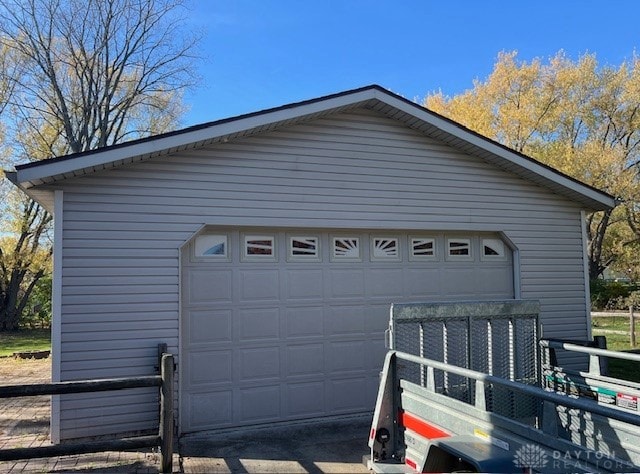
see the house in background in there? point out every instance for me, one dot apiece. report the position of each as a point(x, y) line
point(266, 250)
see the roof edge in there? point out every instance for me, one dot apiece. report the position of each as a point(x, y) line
point(500, 149)
point(33, 173)
point(198, 127)
point(11, 176)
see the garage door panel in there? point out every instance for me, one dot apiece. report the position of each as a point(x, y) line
point(424, 282)
point(345, 356)
point(205, 327)
point(377, 317)
point(306, 398)
point(305, 284)
point(211, 409)
point(304, 322)
point(210, 367)
point(458, 282)
point(492, 279)
point(347, 395)
point(259, 285)
point(385, 282)
point(305, 359)
point(376, 352)
point(347, 283)
point(259, 404)
point(345, 320)
point(258, 363)
point(209, 286)
point(258, 324)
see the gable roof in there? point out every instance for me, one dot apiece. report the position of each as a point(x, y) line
point(33, 177)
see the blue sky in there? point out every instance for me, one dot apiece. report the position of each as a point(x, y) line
point(258, 54)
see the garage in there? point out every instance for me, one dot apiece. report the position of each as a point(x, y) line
point(265, 250)
point(288, 324)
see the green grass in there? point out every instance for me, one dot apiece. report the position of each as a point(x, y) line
point(603, 326)
point(24, 340)
point(622, 369)
point(40, 339)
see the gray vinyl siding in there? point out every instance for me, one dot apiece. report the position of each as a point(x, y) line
point(123, 230)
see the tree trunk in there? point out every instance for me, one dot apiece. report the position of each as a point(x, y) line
point(14, 299)
point(595, 234)
point(9, 319)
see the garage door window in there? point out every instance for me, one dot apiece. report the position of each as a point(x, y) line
point(346, 249)
point(385, 248)
point(493, 249)
point(423, 248)
point(304, 248)
point(459, 249)
point(259, 247)
point(212, 246)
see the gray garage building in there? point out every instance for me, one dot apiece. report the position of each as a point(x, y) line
point(265, 249)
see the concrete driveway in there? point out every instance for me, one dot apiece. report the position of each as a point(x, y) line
point(323, 447)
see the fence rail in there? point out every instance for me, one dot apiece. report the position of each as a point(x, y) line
point(632, 321)
point(164, 438)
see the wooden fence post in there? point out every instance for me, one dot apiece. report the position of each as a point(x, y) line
point(632, 327)
point(162, 349)
point(166, 413)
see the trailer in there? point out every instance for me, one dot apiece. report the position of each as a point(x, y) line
point(475, 387)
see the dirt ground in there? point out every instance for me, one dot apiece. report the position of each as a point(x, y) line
point(22, 371)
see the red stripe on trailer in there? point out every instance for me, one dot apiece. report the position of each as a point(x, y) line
point(420, 427)
point(373, 433)
point(413, 465)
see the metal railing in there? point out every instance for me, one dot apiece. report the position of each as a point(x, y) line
point(562, 424)
point(495, 337)
point(163, 440)
point(482, 380)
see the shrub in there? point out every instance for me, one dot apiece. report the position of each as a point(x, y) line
point(633, 299)
point(38, 312)
point(609, 294)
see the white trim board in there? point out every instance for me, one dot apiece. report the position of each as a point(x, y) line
point(372, 97)
point(56, 305)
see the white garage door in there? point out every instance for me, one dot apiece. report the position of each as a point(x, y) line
point(286, 325)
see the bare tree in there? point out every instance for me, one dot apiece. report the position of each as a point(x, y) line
point(97, 71)
point(84, 74)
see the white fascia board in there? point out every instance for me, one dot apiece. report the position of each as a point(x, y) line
point(495, 149)
point(56, 307)
point(151, 146)
point(585, 269)
point(26, 177)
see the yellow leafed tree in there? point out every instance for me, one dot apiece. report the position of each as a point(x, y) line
point(576, 116)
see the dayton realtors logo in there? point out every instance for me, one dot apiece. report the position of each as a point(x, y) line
point(531, 456)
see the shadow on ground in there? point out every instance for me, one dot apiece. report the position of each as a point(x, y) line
point(336, 446)
point(34, 427)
